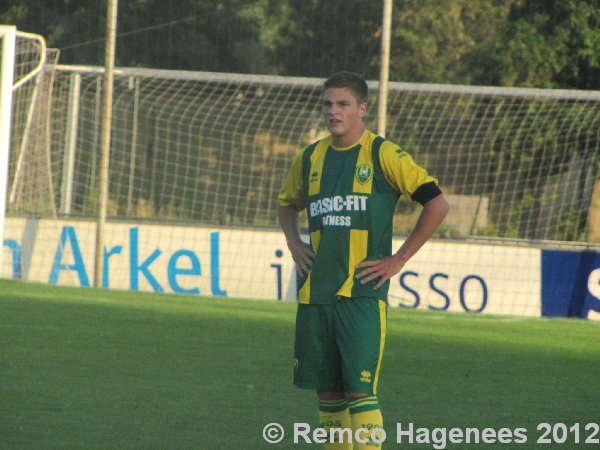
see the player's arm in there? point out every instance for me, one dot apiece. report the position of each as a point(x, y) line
point(302, 253)
point(291, 201)
point(415, 184)
point(432, 215)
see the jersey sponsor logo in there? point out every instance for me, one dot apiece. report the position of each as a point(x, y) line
point(364, 172)
point(338, 203)
point(339, 221)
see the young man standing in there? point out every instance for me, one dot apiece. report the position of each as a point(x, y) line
point(349, 182)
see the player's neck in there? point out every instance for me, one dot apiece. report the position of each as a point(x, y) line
point(347, 139)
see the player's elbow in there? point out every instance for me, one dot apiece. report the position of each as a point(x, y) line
point(286, 214)
point(439, 205)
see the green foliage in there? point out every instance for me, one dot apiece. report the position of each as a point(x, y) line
point(439, 41)
point(318, 37)
point(89, 206)
point(571, 224)
point(553, 43)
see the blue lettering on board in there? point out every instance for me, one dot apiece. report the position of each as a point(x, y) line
point(214, 265)
point(15, 250)
point(68, 234)
point(135, 267)
point(174, 270)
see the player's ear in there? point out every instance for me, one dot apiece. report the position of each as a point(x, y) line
point(362, 109)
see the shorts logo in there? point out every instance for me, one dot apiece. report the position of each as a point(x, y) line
point(295, 366)
point(364, 172)
point(365, 376)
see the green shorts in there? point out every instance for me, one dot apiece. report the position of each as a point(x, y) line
point(339, 346)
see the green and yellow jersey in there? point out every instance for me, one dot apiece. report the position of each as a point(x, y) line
point(350, 195)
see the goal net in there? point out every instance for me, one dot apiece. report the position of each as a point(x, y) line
point(212, 148)
point(197, 159)
point(30, 189)
point(26, 82)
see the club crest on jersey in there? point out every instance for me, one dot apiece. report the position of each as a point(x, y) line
point(364, 172)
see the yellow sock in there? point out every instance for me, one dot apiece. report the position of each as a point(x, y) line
point(365, 413)
point(335, 414)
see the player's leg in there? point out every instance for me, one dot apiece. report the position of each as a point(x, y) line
point(317, 365)
point(365, 415)
point(360, 326)
point(334, 414)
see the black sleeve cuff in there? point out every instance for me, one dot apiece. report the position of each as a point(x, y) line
point(426, 192)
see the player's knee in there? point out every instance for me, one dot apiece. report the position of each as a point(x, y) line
point(330, 395)
point(350, 396)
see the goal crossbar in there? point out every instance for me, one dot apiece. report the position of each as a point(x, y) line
point(566, 94)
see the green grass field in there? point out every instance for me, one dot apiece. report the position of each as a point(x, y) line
point(85, 368)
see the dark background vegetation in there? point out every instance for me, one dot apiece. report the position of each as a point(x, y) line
point(528, 43)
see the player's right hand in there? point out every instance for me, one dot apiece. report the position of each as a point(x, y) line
point(303, 256)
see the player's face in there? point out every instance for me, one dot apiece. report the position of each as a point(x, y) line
point(343, 114)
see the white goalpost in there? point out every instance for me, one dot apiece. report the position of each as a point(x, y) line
point(25, 78)
point(26, 85)
point(7, 38)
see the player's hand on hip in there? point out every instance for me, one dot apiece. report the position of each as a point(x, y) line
point(303, 256)
point(383, 269)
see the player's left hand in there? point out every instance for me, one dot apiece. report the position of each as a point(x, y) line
point(383, 268)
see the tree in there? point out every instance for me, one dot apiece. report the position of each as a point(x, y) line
point(63, 23)
point(446, 41)
point(551, 44)
point(319, 37)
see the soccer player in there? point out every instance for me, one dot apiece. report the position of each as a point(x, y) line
point(349, 182)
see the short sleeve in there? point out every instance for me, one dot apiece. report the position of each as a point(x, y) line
point(291, 192)
point(403, 173)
